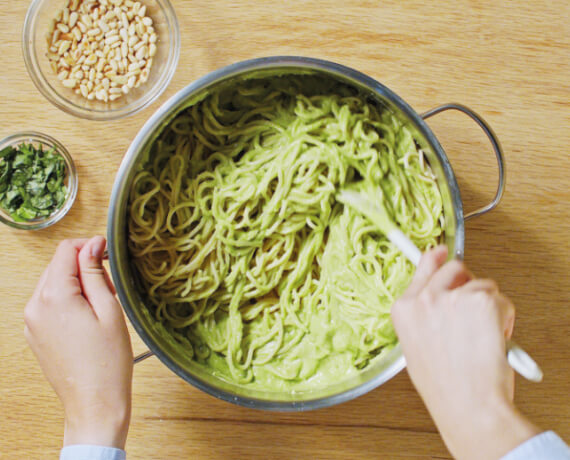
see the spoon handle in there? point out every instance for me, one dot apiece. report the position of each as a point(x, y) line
point(521, 362)
point(404, 244)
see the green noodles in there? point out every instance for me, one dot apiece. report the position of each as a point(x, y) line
point(248, 260)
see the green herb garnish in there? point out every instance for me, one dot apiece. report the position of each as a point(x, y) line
point(31, 181)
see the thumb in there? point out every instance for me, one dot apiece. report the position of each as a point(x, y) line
point(93, 278)
point(430, 262)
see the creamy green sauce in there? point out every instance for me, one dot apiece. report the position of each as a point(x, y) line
point(248, 260)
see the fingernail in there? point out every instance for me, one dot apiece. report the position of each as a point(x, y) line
point(97, 248)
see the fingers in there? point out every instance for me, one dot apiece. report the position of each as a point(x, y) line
point(452, 275)
point(501, 302)
point(94, 281)
point(41, 283)
point(507, 315)
point(63, 267)
point(64, 261)
point(430, 262)
point(481, 284)
point(109, 282)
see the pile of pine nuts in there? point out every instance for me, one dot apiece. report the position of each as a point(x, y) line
point(102, 49)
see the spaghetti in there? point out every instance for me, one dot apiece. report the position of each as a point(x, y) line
point(248, 260)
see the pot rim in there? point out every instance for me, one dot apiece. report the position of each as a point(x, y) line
point(172, 106)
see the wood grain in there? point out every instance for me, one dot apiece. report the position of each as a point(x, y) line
point(507, 60)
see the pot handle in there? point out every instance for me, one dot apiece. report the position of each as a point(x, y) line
point(496, 147)
point(142, 356)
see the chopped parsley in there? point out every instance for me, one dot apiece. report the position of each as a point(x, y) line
point(32, 181)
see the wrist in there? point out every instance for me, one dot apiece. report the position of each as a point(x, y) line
point(109, 431)
point(494, 429)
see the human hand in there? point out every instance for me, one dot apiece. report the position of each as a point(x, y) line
point(452, 329)
point(76, 329)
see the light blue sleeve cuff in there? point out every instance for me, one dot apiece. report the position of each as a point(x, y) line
point(544, 446)
point(85, 452)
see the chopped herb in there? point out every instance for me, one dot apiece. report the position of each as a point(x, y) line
point(31, 181)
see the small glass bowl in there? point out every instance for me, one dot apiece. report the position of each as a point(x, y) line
point(40, 15)
point(71, 181)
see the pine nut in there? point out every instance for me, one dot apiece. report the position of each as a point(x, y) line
point(63, 47)
point(101, 49)
point(55, 36)
point(76, 33)
point(141, 53)
point(91, 59)
point(73, 19)
point(112, 39)
point(86, 19)
point(69, 82)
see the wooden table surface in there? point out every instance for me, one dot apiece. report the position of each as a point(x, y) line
point(507, 60)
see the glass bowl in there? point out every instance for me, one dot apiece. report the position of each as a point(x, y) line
point(37, 24)
point(71, 181)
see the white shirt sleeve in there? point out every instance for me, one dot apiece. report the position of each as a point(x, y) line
point(85, 452)
point(544, 446)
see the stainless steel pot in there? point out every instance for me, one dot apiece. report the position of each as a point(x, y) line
point(126, 283)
